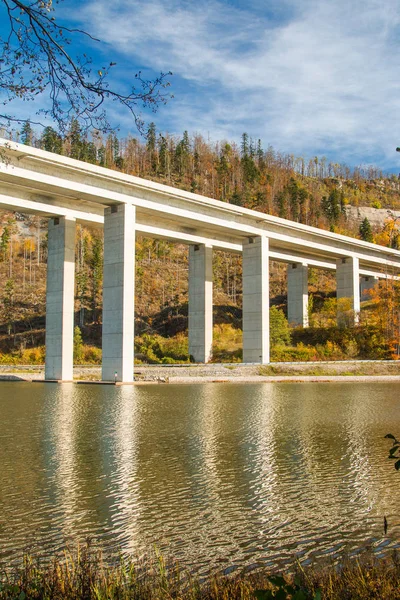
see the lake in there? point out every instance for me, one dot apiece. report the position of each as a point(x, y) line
point(216, 475)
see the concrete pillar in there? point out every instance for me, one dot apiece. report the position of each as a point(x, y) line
point(297, 294)
point(256, 300)
point(60, 299)
point(348, 286)
point(118, 293)
point(367, 284)
point(200, 302)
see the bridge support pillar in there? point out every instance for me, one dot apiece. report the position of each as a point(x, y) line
point(297, 294)
point(60, 299)
point(200, 302)
point(118, 293)
point(348, 286)
point(256, 300)
point(367, 284)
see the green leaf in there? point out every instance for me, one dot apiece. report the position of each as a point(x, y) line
point(263, 594)
point(300, 595)
point(397, 465)
point(318, 595)
point(277, 580)
point(281, 594)
point(22, 596)
point(290, 589)
point(390, 436)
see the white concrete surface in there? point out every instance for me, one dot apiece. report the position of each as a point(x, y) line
point(35, 180)
point(60, 292)
point(348, 286)
point(256, 300)
point(118, 293)
point(200, 302)
point(297, 294)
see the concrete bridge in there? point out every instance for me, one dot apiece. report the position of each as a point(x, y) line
point(70, 192)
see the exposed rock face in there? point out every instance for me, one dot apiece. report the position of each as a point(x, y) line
point(376, 216)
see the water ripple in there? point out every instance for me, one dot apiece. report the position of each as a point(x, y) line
point(220, 476)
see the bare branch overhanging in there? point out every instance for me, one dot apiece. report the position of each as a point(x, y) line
point(34, 60)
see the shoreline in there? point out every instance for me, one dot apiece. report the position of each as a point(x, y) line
point(316, 372)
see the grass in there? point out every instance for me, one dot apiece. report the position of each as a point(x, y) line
point(331, 369)
point(82, 574)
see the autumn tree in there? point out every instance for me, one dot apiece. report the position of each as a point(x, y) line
point(386, 314)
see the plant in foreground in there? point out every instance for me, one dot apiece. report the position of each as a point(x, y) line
point(283, 590)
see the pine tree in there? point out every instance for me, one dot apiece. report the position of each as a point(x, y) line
point(366, 231)
point(51, 141)
point(245, 145)
point(27, 134)
point(75, 140)
point(151, 139)
point(333, 206)
point(293, 190)
point(164, 155)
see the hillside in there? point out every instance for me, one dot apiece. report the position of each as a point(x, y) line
point(314, 192)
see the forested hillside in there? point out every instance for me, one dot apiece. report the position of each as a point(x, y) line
point(314, 192)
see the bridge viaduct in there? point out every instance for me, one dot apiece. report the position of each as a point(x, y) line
point(70, 192)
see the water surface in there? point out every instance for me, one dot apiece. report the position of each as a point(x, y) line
point(217, 475)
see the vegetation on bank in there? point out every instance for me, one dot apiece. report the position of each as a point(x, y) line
point(83, 575)
point(375, 337)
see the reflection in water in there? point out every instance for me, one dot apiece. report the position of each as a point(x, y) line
point(215, 474)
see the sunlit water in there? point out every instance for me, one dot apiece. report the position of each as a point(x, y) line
point(216, 475)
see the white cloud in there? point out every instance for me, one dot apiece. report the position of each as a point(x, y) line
point(322, 77)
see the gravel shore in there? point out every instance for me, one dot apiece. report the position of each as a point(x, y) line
point(235, 373)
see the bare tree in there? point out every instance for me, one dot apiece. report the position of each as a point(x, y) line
point(35, 59)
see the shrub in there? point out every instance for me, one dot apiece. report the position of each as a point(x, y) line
point(91, 355)
point(78, 346)
point(227, 343)
point(278, 327)
point(33, 356)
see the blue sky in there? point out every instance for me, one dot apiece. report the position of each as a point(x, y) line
point(309, 77)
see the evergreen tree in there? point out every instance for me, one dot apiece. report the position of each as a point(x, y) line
point(27, 134)
point(151, 139)
point(5, 241)
point(182, 154)
point(163, 154)
point(281, 204)
point(75, 140)
point(333, 206)
point(293, 190)
point(78, 345)
point(249, 168)
point(366, 231)
point(51, 141)
point(302, 199)
point(236, 198)
point(278, 327)
point(245, 145)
